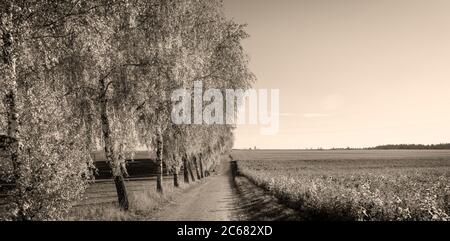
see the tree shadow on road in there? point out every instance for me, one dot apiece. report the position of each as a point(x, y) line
point(253, 204)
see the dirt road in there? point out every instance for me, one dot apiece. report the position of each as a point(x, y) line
point(214, 199)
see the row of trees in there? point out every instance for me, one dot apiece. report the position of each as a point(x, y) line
point(444, 146)
point(79, 74)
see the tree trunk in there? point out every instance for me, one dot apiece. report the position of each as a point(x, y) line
point(190, 171)
point(176, 171)
point(159, 160)
point(11, 76)
point(175, 178)
point(196, 168)
point(121, 192)
point(13, 149)
point(110, 153)
point(11, 106)
point(185, 169)
point(202, 172)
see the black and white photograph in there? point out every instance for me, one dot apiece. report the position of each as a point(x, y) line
point(264, 111)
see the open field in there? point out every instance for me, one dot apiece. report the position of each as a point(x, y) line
point(354, 185)
point(100, 202)
point(104, 191)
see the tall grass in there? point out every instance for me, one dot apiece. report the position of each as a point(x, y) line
point(357, 189)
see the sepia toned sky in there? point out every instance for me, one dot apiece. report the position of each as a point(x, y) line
point(350, 72)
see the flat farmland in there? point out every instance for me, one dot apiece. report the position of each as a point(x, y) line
point(104, 191)
point(354, 184)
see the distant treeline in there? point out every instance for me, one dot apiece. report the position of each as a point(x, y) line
point(412, 147)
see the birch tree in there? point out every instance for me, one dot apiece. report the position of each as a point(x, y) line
point(48, 172)
point(102, 86)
